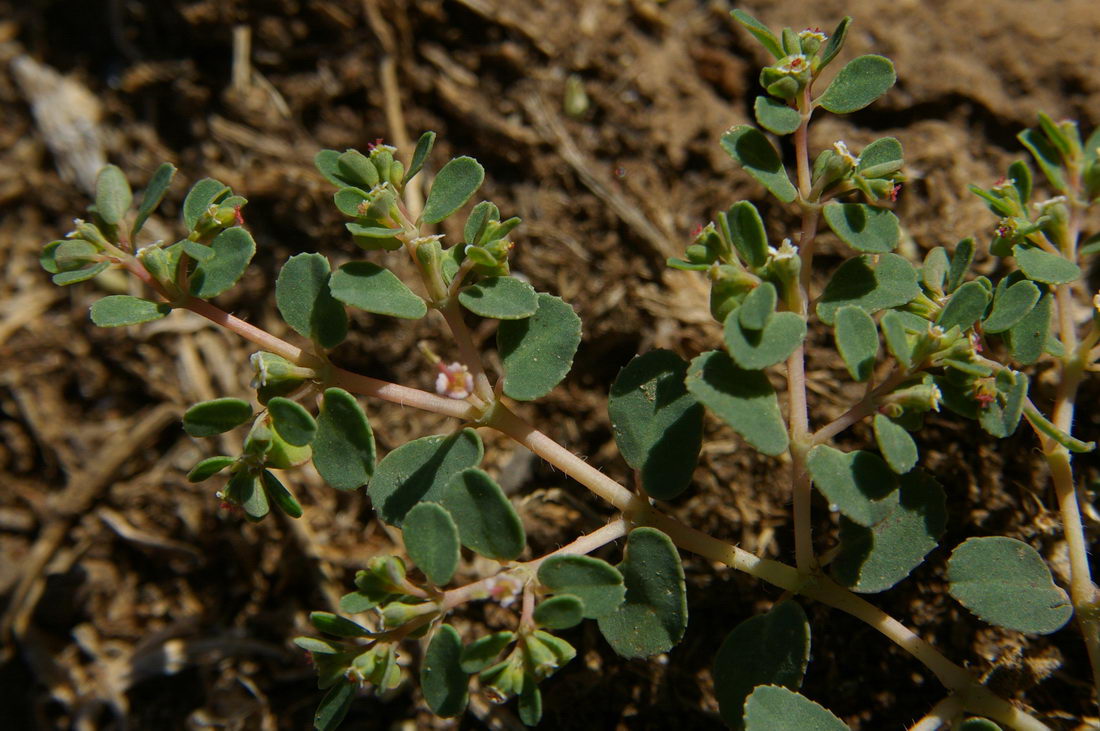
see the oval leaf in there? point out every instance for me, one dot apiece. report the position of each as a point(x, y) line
point(482, 652)
point(746, 232)
point(456, 182)
point(343, 447)
point(420, 470)
point(880, 158)
point(754, 350)
point(502, 298)
point(444, 683)
point(233, 250)
point(863, 227)
point(487, 522)
point(758, 307)
point(334, 706)
point(598, 584)
point(743, 399)
point(199, 198)
point(858, 484)
point(1028, 337)
point(856, 341)
point(1043, 266)
point(658, 424)
point(537, 352)
point(154, 193)
point(560, 612)
point(875, 559)
point(209, 467)
point(966, 305)
point(860, 82)
point(1011, 306)
point(773, 707)
point(896, 445)
point(278, 494)
point(120, 309)
point(892, 282)
point(768, 649)
point(112, 195)
point(211, 418)
point(303, 297)
point(749, 147)
point(654, 615)
point(431, 538)
point(776, 116)
point(291, 420)
point(420, 154)
point(370, 287)
point(1006, 582)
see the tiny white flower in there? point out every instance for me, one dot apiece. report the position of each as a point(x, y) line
point(842, 149)
point(454, 381)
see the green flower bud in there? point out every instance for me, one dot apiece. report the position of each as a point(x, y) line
point(383, 577)
point(397, 172)
point(729, 285)
point(541, 660)
point(1056, 214)
point(811, 40)
point(921, 397)
point(88, 232)
point(396, 614)
point(274, 375)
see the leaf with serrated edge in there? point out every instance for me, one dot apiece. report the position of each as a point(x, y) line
point(537, 352)
point(770, 648)
point(654, 615)
point(367, 286)
point(1006, 582)
point(657, 423)
point(343, 448)
point(487, 522)
point(859, 484)
point(420, 470)
point(876, 558)
point(743, 399)
point(772, 707)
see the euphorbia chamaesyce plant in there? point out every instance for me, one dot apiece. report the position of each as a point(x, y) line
point(921, 336)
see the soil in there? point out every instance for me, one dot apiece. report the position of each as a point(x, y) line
point(131, 600)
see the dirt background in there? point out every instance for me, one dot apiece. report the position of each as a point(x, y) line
point(130, 599)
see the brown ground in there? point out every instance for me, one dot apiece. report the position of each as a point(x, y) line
point(129, 598)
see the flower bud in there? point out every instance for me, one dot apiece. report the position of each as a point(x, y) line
point(1056, 214)
point(812, 39)
point(396, 614)
point(274, 375)
point(88, 232)
point(729, 285)
point(921, 397)
point(383, 577)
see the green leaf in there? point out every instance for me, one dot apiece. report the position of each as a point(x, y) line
point(487, 522)
point(530, 702)
point(233, 251)
point(1011, 306)
point(211, 418)
point(482, 652)
point(1040, 422)
point(303, 297)
point(1001, 417)
point(876, 558)
point(291, 420)
point(112, 195)
point(198, 252)
point(560, 612)
point(1046, 155)
point(757, 307)
point(754, 350)
point(892, 282)
point(934, 270)
point(360, 230)
point(743, 399)
point(858, 484)
point(343, 447)
point(327, 163)
point(835, 42)
point(896, 445)
point(420, 154)
point(598, 584)
point(200, 197)
point(746, 230)
point(456, 182)
point(79, 275)
point(856, 341)
point(478, 221)
point(773, 707)
point(760, 32)
point(860, 82)
point(960, 264)
point(244, 489)
point(337, 626)
point(209, 467)
point(863, 227)
point(654, 615)
point(1006, 583)
point(121, 309)
point(966, 305)
point(369, 287)
point(278, 494)
point(74, 254)
point(978, 724)
point(658, 425)
point(1028, 337)
point(420, 470)
point(431, 539)
point(502, 298)
point(897, 339)
point(767, 649)
point(749, 147)
point(776, 116)
point(442, 679)
point(334, 706)
point(537, 352)
point(358, 169)
point(154, 194)
point(881, 158)
point(1043, 266)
